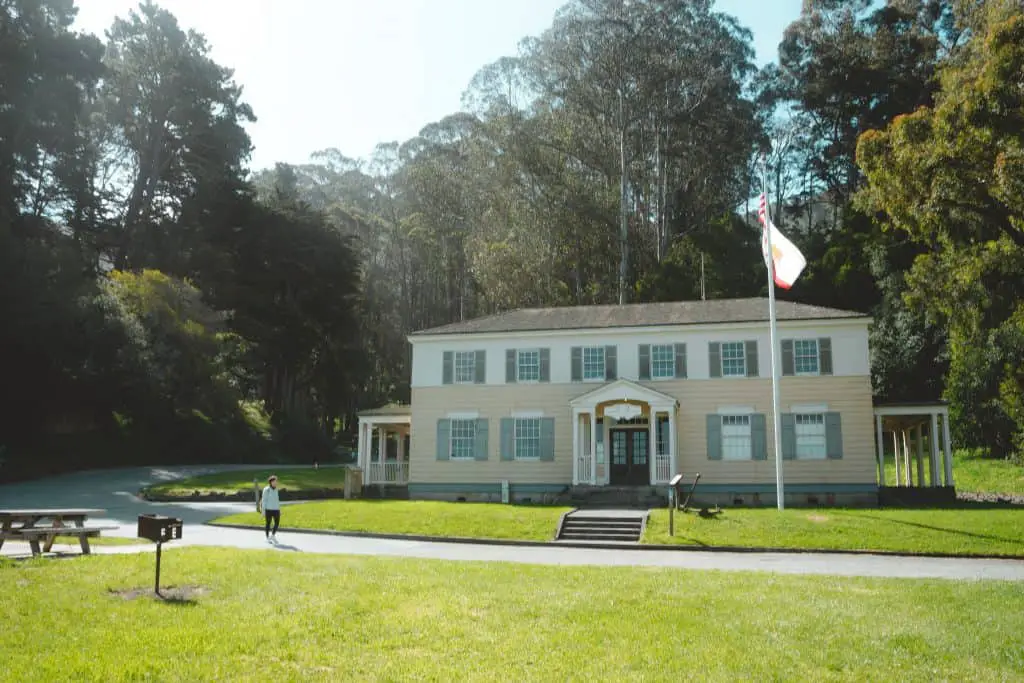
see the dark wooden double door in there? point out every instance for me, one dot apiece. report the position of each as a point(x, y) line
point(630, 457)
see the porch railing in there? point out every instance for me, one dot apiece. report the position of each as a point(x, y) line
point(388, 472)
point(584, 469)
point(662, 468)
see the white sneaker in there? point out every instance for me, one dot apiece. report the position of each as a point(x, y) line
point(273, 537)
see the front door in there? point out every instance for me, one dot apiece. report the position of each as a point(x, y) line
point(629, 464)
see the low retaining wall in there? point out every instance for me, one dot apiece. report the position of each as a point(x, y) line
point(242, 496)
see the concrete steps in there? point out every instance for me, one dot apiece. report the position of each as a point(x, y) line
point(597, 527)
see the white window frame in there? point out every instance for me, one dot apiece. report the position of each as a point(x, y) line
point(519, 366)
point(737, 420)
point(583, 362)
point(814, 436)
point(743, 358)
point(532, 437)
point(466, 423)
point(671, 362)
point(797, 356)
point(471, 365)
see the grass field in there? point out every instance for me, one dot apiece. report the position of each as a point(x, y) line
point(428, 518)
point(293, 479)
point(963, 531)
point(285, 617)
point(972, 473)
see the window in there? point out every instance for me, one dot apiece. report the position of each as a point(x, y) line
point(593, 362)
point(528, 366)
point(736, 441)
point(465, 367)
point(463, 439)
point(805, 356)
point(662, 442)
point(810, 436)
point(734, 359)
point(527, 438)
point(663, 361)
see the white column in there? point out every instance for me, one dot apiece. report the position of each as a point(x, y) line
point(919, 447)
point(908, 459)
point(881, 450)
point(401, 457)
point(593, 446)
point(933, 438)
point(576, 450)
point(947, 442)
point(896, 457)
point(360, 443)
point(652, 446)
point(672, 442)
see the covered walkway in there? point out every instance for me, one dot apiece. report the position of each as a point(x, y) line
point(914, 430)
point(383, 445)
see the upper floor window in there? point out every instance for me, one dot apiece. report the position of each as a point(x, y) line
point(805, 356)
point(465, 367)
point(593, 362)
point(663, 361)
point(734, 359)
point(528, 365)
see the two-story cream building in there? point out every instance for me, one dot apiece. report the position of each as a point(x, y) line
point(544, 400)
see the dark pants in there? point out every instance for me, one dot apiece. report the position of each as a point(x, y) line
point(274, 515)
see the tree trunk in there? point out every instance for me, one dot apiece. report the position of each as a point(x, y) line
point(623, 218)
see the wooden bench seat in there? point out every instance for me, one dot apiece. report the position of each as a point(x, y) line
point(34, 534)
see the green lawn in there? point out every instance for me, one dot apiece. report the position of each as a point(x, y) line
point(429, 518)
point(293, 479)
point(963, 531)
point(971, 473)
point(287, 617)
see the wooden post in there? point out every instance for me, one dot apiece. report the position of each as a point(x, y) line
point(156, 586)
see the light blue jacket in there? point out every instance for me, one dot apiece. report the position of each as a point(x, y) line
point(270, 500)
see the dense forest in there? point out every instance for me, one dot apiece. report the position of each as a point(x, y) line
point(163, 302)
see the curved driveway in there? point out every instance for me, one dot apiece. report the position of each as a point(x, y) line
point(114, 491)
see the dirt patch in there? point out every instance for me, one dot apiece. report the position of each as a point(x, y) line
point(179, 594)
point(820, 519)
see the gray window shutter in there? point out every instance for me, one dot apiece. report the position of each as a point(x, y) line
point(645, 361)
point(480, 440)
point(714, 435)
point(547, 438)
point(715, 359)
point(510, 366)
point(680, 361)
point(833, 436)
point(448, 368)
point(788, 434)
point(758, 437)
point(480, 367)
point(752, 358)
point(788, 361)
point(577, 364)
point(611, 365)
point(545, 365)
point(444, 431)
point(508, 438)
point(825, 356)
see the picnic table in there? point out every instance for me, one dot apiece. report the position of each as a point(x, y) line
point(46, 525)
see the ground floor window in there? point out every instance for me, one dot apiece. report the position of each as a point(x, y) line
point(463, 439)
point(527, 438)
point(736, 438)
point(811, 443)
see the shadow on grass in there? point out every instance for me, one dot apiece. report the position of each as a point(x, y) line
point(959, 532)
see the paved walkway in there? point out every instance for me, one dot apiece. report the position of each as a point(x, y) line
point(115, 490)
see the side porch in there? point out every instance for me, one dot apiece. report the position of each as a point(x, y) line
point(382, 451)
point(921, 452)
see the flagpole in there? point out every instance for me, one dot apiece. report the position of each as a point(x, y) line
point(773, 333)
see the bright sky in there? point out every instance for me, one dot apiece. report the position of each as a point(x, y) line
point(353, 73)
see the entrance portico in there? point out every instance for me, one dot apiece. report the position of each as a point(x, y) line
point(623, 434)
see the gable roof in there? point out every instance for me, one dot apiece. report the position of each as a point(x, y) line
point(712, 312)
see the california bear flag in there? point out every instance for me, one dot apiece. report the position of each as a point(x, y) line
point(787, 259)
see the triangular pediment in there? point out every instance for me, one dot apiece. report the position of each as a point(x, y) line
point(622, 390)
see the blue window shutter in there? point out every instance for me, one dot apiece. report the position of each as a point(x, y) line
point(547, 438)
point(508, 438)
point(577, 364)
point(510, 366)
point(480, 367)
point(758, 437)
point(833, 436)
point(788, 361)
point(448, 368)
point(715, 360)
point(645, 361)
point(611, 365)
point(714, 436)
point(444, 431)
point(680, 361)
point(788, 435)
point(752, 358)
point(825, 356)
point(480, 440)
point(545, 365)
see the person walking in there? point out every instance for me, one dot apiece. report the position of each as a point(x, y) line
point(270, 505)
